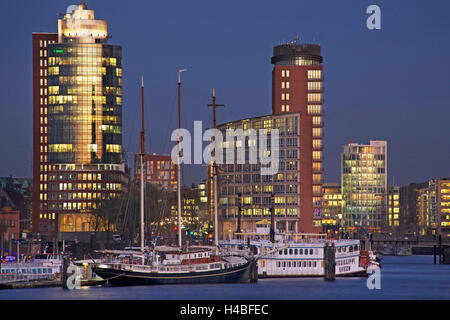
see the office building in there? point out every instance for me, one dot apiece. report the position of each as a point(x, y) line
point(77, 153)
point(297, 86)
point(393, 202)
point(331, 207)
point(364, 186)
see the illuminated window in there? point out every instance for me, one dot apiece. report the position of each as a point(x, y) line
point(116, 148)
point(317, 120)
point(317, 132)
point(314, 97)
point(317, 155)
point(60, 147)
point(314, 74)
point(315, 86)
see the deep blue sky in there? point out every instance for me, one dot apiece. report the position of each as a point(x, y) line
point(391, 84)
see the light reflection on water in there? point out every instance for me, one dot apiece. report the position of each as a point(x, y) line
point(413, 277)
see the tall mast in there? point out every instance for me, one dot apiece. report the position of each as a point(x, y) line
point(179, 157)
point(142, 168)
point(214, 170)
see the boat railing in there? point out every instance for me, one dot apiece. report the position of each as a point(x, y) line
point(14, 277)
point(23, 265)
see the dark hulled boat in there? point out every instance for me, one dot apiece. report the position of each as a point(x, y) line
point(174, 267)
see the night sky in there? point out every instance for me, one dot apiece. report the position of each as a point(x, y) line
point(391, 84)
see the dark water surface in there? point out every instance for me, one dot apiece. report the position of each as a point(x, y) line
point(412, 277)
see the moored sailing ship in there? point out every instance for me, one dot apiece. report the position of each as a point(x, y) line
point(172, 265)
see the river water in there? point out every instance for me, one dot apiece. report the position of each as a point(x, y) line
point(410, 277)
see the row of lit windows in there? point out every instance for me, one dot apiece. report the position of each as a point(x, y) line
point(317, 178)
point(117, 148)
point(43, 43)
point(314, 97)
point(82, 60)
point(83, 80)
point(50, 216)
point(315, 109)
point(285, 96)
point(314, 74)
point(314, 86)
point(317, 121)
point(317, 166)
point(317, 132)
point(317, 189)
point(317, 143)
point(285, 73)
point(285, 85)
point(81, 195)
point(285, 108)
point(289, 212)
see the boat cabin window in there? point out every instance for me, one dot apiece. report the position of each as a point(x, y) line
point(301, 251)
point(310, 251)
point(285, 251)
point(290, 251)
point(306, 251)
point(280, 252)
point(296, 251)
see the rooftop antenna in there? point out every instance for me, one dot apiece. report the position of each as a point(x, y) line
point(83, 3)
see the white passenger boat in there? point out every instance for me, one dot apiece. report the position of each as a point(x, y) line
point(40, 266)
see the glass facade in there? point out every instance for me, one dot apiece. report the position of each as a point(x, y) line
point(364, 185)
point(85, 103)
point(256, 189)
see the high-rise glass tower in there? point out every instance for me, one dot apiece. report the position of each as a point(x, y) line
point(364, 186)
point(83, 135)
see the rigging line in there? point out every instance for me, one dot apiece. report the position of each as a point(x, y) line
point(133, 132)
point(126, 213)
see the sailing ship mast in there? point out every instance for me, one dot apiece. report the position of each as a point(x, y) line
point(142, 168)
point(214, 170)
point(179, 157)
